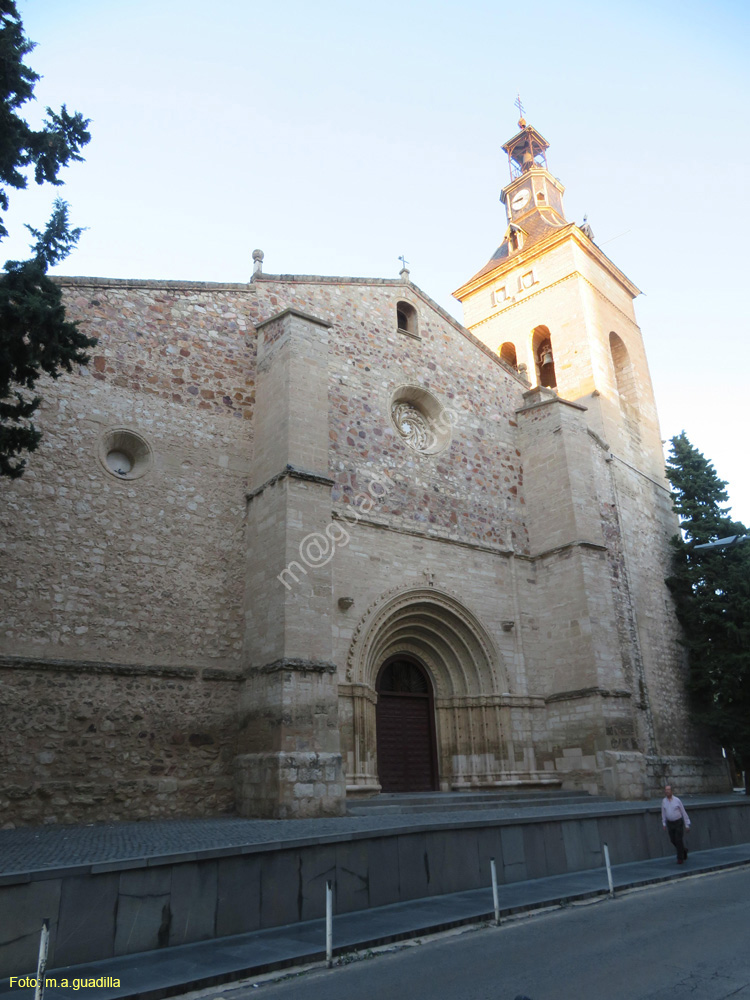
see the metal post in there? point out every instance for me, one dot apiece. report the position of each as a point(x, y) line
point(609, 871)
point(329, 924)
point(42, 962)
point(495, 901)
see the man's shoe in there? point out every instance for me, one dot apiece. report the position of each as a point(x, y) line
point(679, 861)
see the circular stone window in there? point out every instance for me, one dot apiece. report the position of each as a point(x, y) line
point(420, 419)
point(125, 454)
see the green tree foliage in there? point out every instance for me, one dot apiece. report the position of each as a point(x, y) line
point(35, 337)
point(711, 588)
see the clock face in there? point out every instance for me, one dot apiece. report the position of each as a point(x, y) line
point(520, 198)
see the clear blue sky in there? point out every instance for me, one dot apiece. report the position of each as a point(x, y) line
point(337, 135)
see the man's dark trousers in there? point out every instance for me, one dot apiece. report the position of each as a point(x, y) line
point(676, 829)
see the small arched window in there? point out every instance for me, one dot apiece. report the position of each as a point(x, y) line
point(406, 319)
point(508, 354)
point(544, 358)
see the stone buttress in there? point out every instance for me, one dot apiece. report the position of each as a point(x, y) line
point(289, 762)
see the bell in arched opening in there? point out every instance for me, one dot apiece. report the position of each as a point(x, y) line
point(546, 362)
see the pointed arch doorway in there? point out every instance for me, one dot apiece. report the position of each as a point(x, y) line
point(405, 727)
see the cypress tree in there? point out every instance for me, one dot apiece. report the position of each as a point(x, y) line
point(711, 588)
point(35, 337)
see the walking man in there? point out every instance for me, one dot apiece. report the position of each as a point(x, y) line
point(675, 821)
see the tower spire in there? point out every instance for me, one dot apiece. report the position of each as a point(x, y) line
point(532, 190)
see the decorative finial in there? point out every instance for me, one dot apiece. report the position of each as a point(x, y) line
point(586, 228)
point(404, 272)
point(258, 261)
point(519, 105)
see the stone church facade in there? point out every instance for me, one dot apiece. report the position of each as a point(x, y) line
point(303, 539)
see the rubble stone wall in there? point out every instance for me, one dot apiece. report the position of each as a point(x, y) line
point(97, 742)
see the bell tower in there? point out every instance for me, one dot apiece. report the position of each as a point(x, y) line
point(557, 310)
point(532, 187)
point(559, 314)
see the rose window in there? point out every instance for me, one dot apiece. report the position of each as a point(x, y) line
point(420, 419)
point(412, 426)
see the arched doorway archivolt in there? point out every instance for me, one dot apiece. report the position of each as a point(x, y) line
point(467, 681)
point(438, 630)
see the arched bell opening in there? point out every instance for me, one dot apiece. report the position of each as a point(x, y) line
point(544, 358)
point(405, 727)
point(508, 354)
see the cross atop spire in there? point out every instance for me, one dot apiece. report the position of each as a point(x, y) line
point(518, 103)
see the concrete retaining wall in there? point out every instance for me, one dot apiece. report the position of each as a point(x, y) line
point(122, 907)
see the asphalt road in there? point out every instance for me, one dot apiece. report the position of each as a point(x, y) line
point(688, 938)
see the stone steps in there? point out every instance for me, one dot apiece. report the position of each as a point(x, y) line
point(428, 802)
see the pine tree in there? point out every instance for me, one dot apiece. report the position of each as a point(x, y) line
point(711, 588)
point(35, 337)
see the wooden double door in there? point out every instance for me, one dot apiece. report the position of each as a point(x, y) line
point(407, 755)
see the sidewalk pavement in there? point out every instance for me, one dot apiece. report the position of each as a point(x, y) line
point(155, 974)
point(32, 849)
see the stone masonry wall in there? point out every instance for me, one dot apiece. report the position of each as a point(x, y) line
point(122, 598)
point(184, 342)
point(469, 491)
point(644, 510)
point(147, 570)
point(105, 742)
